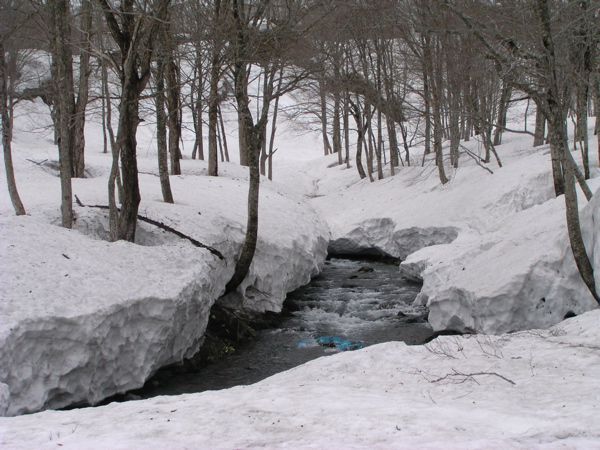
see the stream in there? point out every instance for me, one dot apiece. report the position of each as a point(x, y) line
point(352, 303)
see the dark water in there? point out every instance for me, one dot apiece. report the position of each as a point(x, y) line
point(355, 300)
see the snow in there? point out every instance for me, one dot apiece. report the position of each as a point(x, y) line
point(491, 249)
point(83, 319)
point(533, 389)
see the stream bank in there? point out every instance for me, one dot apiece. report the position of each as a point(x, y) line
point(363, 302)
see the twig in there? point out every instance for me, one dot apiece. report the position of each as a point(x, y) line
point(469, 376)
point(476, 158)
point(36, 162)
point(163, 226)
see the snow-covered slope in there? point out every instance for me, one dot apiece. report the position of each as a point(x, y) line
point(82, 319)
point(520, 276)
point(491, 248)
point(533, 389)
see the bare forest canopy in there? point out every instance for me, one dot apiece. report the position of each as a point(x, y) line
point(377, 77)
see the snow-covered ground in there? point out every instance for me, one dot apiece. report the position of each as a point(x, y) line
point(533, 389)
point(83, 319)
point(491, 249)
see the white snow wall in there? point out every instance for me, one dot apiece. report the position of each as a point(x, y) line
point(83, 319)
point(505, 281)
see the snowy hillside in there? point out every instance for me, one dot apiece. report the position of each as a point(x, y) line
point(491, 248)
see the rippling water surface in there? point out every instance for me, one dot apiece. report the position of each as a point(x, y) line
point(357, 301)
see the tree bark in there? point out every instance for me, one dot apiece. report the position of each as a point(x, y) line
point(223, 134)
point(174, 110)
point(360, 132)
point(78, 149)
point(324, 128)
point(134, 32)
point(161, 126)
point(6, 113)
point(540, 127)
point(197, 88)
point(63, 82)
point(502, 111)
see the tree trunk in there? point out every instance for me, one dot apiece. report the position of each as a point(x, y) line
point(502, 111)
point(223, 134)
point(540, 127)
point(104, 82)
point(360, 132)
point(197, 87)
point(436, 111)
point(346, 129)
point(127, 143)
point(393, 139)
point(559, 140)
point(427, 101)
point(368, 142)
point(213, 109)
point(63, 79)
point(337, 135)
point(324, 130)
point(379, 147)
point(582, 127)
point(161, 127)
point(78, 149)
point(174, 108)
point(6, 113)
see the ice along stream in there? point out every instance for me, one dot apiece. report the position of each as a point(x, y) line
point(350, 304)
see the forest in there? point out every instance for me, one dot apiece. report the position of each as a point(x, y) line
point(397, 199)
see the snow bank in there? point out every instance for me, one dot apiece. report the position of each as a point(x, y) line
point(520, 276)
point(534, 389)
point(82, 319)
point(490, 248)
point(411, 210)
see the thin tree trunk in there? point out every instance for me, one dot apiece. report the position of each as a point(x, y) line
point(174, 108)
point(502, 111)
point(104, 81)
point(197, 85)
point(379, 147)
point(6, 113)
point(78, 149)
point(559, 140)
point(582, 126)
point(161, 127)
point(393, 140)
point(337, 136)
point(360, 131)
point(368, 142)
point(540, 127)
point(63, 79)
point(324, 130)
point(213, 101)
point(427, 101)
point(223, 134)
point(346, 129)
point(213, 107)
point(274, 127)
point(436, 111)
point(220, 142)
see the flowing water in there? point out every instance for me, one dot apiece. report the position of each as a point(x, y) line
point(359, 303)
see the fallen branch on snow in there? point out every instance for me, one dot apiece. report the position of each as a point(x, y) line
point(476, 158)
point(457, 377)
point(162, 226)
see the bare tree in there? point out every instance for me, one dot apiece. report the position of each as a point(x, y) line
point(62, 76)
point(133, 29)
point(8, 73)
